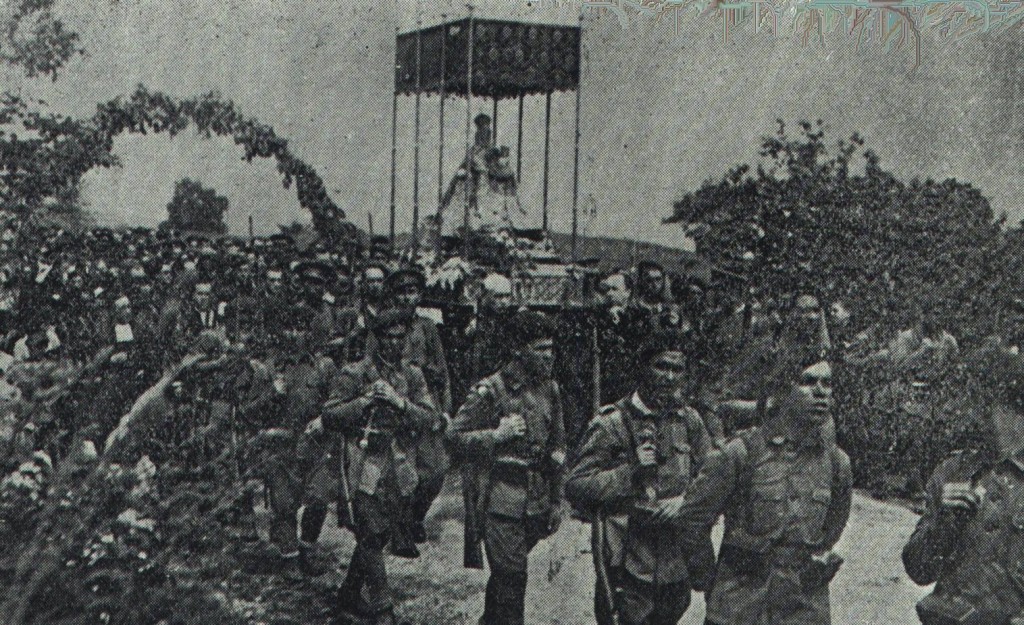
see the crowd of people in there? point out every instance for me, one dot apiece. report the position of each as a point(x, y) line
point(130, 344)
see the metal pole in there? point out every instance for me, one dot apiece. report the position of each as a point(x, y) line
point(394, 146)
point(440, 143)
point(576, 156)
point(519, 143)
point(469, 124)
point(416, 147)
point(494, 122)
point(547, 152)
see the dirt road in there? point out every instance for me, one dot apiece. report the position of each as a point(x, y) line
point(871, 588)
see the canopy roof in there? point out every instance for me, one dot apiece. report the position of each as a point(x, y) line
point(509, 58)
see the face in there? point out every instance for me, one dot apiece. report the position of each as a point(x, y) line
point(663, 376)
point(275, 282)
point(810, 399)
point(614, 290)
point(373, 282)
point(408, 296)
point(202, 296)
point(806, 314)
point(392, 343)
point(538, 357)
point(653, 282)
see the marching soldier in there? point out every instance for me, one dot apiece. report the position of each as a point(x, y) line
point(511, 428)
point(969, 542)
point(785, 489)
point(423, 349)
point(380, 404)
point(642, 449)
point(302, 380)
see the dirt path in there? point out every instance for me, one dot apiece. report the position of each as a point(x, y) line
point(435, 590)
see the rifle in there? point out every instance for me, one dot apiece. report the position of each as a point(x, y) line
point(472, 552)
point(346, 492)
point(598, 532)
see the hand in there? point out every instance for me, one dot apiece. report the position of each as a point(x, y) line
point(510, 427)
point(315, 427)
point(648, 454)
point(386, 393)
point(119, 357)
point(280, 386)
point(668, 509)
point(960, 497)
point(555, 518)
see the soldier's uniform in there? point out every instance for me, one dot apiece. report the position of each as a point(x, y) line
point(519, 481)
point(649, 570)
point(307, 380)
point(784, 501)
point(976, 562)
point(379, 458)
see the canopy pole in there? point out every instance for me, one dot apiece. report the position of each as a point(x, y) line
point(469, 123)
point(416, 148)
point(494, 122)
point(519, 143)
point(547, 152)
point(440, 144)
point(394, 148)
point(576, 156)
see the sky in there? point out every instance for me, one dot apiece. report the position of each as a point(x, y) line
point(663, 107)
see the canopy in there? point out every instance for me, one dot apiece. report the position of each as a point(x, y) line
point(509, 59)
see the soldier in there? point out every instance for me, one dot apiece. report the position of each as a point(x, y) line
point(302, 379)
point(637, 451)
point(969, 541)
point(511, 428)
point(423, 349)
point(380, 404)
point(785, 490)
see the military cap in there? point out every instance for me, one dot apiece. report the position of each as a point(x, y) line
point(527, 326)
point(389, 319)
point(404, 277)
point(661, 340)
point(314, 272)
point(649, 265)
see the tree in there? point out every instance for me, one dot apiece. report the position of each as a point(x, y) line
point(194, 208)
point(805, 220)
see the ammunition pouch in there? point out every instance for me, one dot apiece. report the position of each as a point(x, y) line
point(951, 610)
point(511, 471)
point(377, 440)
point(745, 561)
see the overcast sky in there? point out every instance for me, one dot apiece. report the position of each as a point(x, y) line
point(662, 109)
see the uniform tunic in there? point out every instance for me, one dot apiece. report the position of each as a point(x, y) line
point(975, 561)
point(379, 476)
point(472, 436)
point(783, 501)
point(605, 476)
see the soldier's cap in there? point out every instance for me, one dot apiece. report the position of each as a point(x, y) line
point(649, 265)
point(405, 277)
point(482, 119)
point(659, 341)
point(314, 272)
point(391, 318)
point(527, 326)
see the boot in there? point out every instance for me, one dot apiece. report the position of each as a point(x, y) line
point(308, 562)
point(290, 568)
point(418, 532)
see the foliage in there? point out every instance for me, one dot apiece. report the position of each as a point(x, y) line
point(804, 220)
point(33, 39)
point(194, 208)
